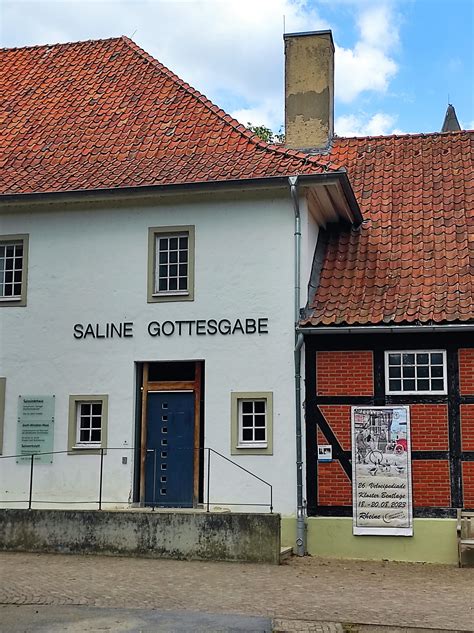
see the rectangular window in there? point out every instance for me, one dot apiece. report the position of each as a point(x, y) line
point(171, 264)
point(13, 269)
point(171, 267)
point(415, 372)
point(252, 423)
point(3, 382)
point(87, 423)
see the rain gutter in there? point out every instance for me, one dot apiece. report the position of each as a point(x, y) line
point(299, 340)
point(385, 329)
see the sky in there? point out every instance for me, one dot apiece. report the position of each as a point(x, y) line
point(398, 62)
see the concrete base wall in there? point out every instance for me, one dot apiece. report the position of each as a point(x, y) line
point(434, 541)
point(189, 535)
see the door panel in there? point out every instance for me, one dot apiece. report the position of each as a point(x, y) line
point(169, 472)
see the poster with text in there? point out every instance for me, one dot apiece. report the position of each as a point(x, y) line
point(381, 471)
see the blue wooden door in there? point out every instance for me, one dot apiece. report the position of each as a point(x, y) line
point(169, 480)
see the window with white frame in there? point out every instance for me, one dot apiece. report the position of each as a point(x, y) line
point(13, 260)
point(252, 423)
point(171, 264)
point(87, 423)
point(415, 372)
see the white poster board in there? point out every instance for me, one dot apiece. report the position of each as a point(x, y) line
point(381, 471)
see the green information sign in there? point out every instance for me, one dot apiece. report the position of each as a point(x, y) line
point(35, 432)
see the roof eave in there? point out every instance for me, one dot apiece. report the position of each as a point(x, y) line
point(337, 201)
point(385, 329)
point(151, 190)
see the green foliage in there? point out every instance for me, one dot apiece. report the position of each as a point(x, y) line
point(266, 134)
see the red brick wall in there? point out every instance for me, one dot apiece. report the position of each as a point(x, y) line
point(334, 486)
point(339, 419)
point(431, 485)
point(467, 427)
point(344, 373)
point(468, 484)
point(429, 427)
point(466, 371)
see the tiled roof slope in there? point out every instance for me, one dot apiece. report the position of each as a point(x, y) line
point(412, 260)
point(104, 114)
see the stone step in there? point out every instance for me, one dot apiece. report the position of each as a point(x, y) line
point(285, 552)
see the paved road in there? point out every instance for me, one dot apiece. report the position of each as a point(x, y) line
point(380, 593)
point(52, 619)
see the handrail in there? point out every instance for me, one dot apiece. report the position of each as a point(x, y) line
point(103, 450)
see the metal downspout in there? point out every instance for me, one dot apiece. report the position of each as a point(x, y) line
point(300, 519)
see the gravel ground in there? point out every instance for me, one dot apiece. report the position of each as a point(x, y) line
point(377, 593)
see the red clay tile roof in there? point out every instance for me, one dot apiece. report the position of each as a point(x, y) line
point(104, 114)
point(412, 260)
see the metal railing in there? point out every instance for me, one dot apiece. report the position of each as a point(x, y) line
point(153, 502)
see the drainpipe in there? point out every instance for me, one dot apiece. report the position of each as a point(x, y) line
point(300, 524)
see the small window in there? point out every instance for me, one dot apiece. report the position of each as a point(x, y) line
point(252, 423)
point(13, 269)
point(415, 372)
point(3, 382)
point(87, 423)
point(171, 264)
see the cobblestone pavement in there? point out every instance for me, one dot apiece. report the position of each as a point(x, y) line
point(378, 593)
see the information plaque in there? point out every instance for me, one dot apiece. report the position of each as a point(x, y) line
point(35, 433)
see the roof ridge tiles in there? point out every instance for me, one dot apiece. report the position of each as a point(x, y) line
point(408, 136)
point(57, 44)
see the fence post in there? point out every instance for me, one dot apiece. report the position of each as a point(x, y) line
point(30, 497)
point(208, 475)
point(101, 475)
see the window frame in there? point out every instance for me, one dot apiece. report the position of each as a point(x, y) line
point(154, 233)
point(240, 447)
point(3, 385)
point(416, 392)
point(18, 300)
point(91, 448)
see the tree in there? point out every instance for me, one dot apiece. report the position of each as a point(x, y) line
point(266, 134)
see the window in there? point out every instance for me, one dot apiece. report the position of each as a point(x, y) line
point(87, 423)
point(2, 410)
point(13, 269)
point(252, 423)
point(171, 264)
point(415, 372)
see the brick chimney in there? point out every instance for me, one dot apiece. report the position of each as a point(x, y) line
point(309, 90)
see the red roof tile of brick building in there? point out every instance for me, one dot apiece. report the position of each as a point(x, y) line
point(104, 114)
point(412, 260)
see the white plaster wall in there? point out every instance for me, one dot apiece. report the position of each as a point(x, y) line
point(91, 266)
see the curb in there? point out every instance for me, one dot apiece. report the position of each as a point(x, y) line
point(283, 625)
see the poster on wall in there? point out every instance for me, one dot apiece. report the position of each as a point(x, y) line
point(381, 471)
point(35, 433)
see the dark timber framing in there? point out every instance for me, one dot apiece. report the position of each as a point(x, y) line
point(378, 343)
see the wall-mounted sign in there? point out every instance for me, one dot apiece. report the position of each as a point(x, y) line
point(193, 327)
point(35, 432)
point(324, 453)
point(381, 471)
